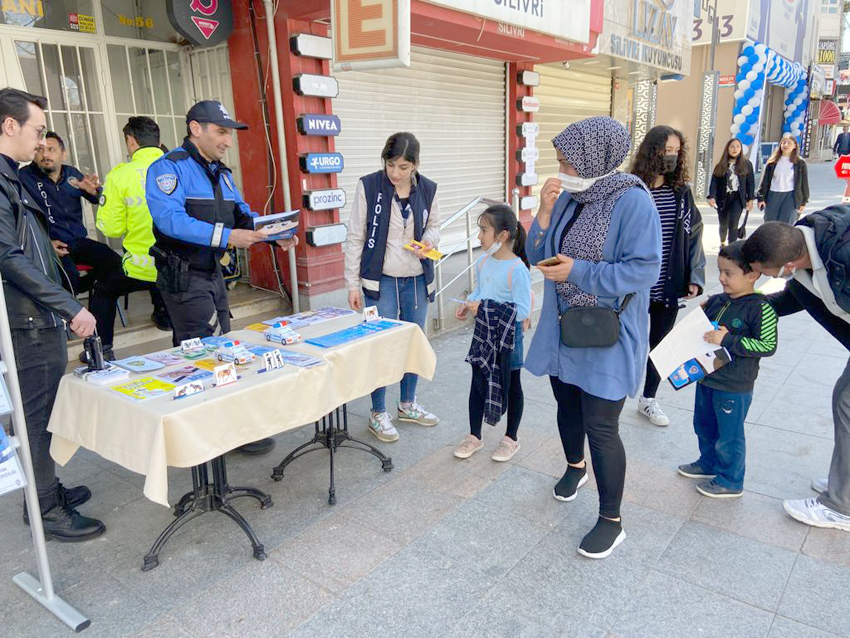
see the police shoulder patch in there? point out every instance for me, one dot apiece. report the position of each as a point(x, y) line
point(167, 183)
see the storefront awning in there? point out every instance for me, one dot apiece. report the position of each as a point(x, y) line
point(829, 113)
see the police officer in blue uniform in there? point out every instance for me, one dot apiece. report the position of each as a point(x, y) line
point(198, 213)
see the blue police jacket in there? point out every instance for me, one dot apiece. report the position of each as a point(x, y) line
point(194, 205)
point(59, 200)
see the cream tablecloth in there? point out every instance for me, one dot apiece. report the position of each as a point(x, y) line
point(148, 436)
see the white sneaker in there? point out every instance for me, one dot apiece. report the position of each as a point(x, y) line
point(381, 425)
point(812, 512)
point(652, 411)
point(415, 413)
point(819, 485)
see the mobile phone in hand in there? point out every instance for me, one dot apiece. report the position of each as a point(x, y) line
point(552, 261)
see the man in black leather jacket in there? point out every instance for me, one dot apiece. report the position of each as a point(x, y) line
point(38, 307)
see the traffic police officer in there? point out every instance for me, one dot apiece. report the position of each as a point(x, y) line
point(197, 213)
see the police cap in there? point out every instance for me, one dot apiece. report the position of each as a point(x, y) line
point(214, 113)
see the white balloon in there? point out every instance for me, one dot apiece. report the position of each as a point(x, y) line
point(752, 75)
point(739, 118)
point(744, 85)
point(761, 49)
point(747, 109)
point(738, 94)
point(798, 101)
point(754, 101)
point(759, 94)
point(745, 148)
point(742, 60)
point(735, 129)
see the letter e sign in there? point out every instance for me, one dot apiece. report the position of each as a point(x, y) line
point(367, 30)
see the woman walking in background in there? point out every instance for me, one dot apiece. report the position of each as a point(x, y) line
point(732, 189)
point(784, 189)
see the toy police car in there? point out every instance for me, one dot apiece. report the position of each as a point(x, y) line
point(234, 351)
point(282, 334)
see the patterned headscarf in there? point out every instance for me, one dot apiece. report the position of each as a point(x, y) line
point(594, 147)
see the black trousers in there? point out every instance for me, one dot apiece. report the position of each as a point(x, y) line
point(41, 358)
point(661, 321)
point(580, 414)
point(105, 296)
point(730, 217)
point(201, 311)
point(512, 393)
point(104, 263)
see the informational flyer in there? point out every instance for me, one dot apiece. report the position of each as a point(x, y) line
point(184, 374)
point(165, 358)
point(352, 334)
point(144, 389)
point(11, 474)
point(139, 364)
point(684, 356)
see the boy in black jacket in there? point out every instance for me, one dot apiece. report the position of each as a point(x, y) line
point(747, 329)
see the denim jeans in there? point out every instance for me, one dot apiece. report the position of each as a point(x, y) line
point(405, 299)
point(41, 357)
point(719, 426)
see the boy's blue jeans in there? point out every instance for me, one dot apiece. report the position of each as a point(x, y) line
point(406, 299)
point(719, 426)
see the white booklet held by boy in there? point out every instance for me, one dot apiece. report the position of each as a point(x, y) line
point(684, 356)
point(278, 225)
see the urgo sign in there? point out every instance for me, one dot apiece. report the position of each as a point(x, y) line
point(204, 23)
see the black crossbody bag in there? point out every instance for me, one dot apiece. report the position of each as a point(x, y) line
point(588, 326)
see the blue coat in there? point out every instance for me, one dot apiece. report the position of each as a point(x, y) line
point(631, 262)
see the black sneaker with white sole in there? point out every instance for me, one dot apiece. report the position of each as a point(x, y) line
point(695, 471)
point(567, 488)
point(602, 539)
point(713, 489)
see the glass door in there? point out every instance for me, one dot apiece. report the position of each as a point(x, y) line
point(69, 76)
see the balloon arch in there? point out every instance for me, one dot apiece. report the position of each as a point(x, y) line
point(756, 65)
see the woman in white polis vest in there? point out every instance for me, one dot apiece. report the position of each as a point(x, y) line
point(393, 207)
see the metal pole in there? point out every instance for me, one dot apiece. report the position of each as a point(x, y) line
point(281, 141)
point(515, 201)
point(42, 588)
point(471, 272)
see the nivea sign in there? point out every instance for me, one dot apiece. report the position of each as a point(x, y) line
point(327, 125)
point(321, 163)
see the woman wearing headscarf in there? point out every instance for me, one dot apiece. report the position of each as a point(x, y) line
point(602, 228)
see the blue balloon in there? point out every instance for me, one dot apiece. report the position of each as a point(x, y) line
point(744, 127)
point(754, 59)
point(753, 117)
point(749, 50)
point(749, 93)
point(760, 78)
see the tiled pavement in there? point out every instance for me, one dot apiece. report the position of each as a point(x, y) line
point(442, 547)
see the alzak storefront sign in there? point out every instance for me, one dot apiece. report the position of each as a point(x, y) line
point(653, 33)
point(204, 23)
point(370, 34)
point(562, 19)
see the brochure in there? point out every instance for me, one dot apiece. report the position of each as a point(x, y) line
point(301, 360)
point(139, 364)
point(684, 356)
point(206, 364)
point(11, 474)
point(351, 334)
point(310, 317)
point(165, 358)
point(144, 388)
point(5, 400)
point(258, 327)
point(109, 374)
point(278, 225)
point(186, 374)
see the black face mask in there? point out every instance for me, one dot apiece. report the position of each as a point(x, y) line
point(670, 163)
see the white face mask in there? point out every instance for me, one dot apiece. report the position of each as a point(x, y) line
point(576, 184)
point(782, 274)
point(494, 248)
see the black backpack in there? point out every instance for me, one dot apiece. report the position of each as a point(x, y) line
point(832, 236)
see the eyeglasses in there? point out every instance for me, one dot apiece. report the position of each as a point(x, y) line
point(41, 130)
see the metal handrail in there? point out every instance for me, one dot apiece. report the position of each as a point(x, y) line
point(470, 262)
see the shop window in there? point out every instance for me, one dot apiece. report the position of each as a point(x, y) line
point(59, 15)
point(139, 19)
point(149, 81)
point(67, 75)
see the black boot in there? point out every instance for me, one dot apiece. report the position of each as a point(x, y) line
point(161, 320)
point(66, 525)
point(76, 496)
point(256, 448)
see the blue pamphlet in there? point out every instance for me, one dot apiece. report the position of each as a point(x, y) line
point(351, 334)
